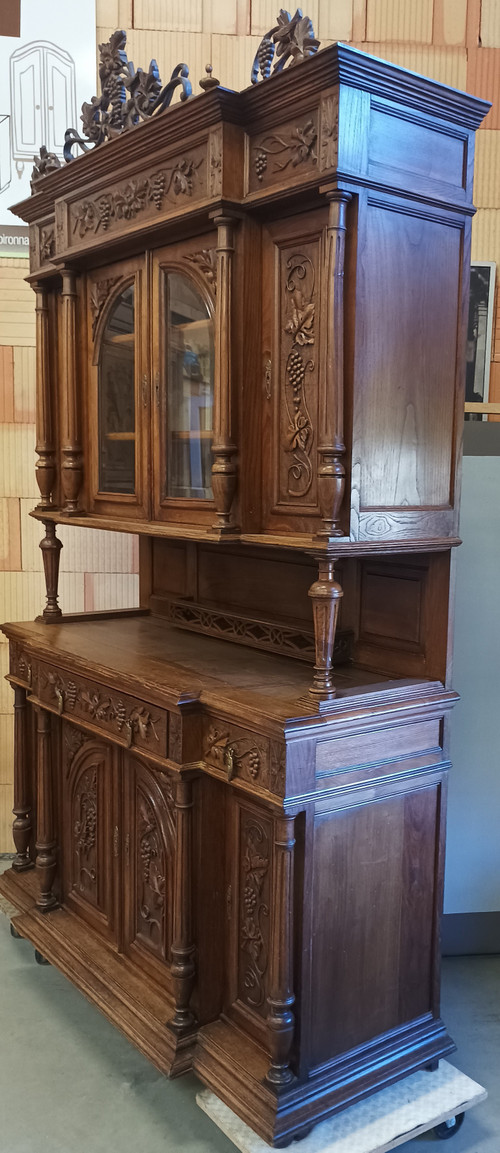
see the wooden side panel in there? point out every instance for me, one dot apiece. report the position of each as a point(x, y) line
point(149, 848)
point(405, 372)
point(373, 895)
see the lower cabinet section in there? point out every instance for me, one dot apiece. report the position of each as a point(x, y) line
point(288, 951)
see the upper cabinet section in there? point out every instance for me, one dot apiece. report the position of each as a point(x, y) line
point(262, 300)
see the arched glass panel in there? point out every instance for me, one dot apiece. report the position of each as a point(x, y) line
point(190, 391)
point(117, 398)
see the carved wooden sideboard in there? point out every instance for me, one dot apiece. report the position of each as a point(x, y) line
point(250, 351)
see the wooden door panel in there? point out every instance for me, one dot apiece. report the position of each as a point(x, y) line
point(149, 862)
point(88, 828)
point(250, 873)
point(374, 892)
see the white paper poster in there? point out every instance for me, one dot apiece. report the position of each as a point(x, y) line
point(45, 76)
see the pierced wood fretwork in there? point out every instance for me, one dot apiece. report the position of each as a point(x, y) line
point(255, 863)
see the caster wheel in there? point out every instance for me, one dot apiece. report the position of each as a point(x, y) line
point(448, 1128)
point(14, 933)
point(39, 959)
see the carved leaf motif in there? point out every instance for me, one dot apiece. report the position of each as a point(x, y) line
point(254, 914)
point(99, 294)
point(294, 39)
point(302, 320)
point(47, 244)
point(151, 880)
point(329, 133)
point(299, 145)
point(206, 262)
point(300, 307)
point(85, 832)
point(133, 198)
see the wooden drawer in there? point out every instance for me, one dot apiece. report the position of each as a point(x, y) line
point(129, 720)
point(241, 753)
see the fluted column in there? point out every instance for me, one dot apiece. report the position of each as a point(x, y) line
point(325, 594)
point(51, 547)
point(45, 833)
point(331, 447)
point(183, 967)
point(280, 1019)
point(45, 448)
point(21, 828)
point(72, 459)
point(224, 470)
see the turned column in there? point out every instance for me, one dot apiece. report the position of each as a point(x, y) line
point(331, 447)
point(280, 1018)
point(51, 547)
point(325, 594)
point(21, 828)
point(183, 967)
point(45, 838)
point(72, 459)
point(45, 448)
point(224, 470)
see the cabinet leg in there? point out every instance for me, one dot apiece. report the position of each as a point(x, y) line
point(183, 967)
point(21, 828)
point(51, 547)
point(325, 594)
point(46, 844)
point(280, 1019)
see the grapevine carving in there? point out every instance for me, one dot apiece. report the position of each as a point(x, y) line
point(135, 196)
point(232, 755)
point(98, 296)
point(85, 831)
point(47, 244)
point(133, 722)
point(299, 287)
point(255, 862)
point(292, 39)
point(293, 149)
point(329, 133)
point(151, 875)
point(127, 96)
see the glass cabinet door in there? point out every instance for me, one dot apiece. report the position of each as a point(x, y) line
point(121, 402)
point(183, 340)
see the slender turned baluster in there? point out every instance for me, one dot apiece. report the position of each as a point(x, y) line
point(280, 1019)
point(45, 841)
point(224, 471)
point(46, 464)
point(331, 447)
point(183, 967)
point(51, 547)
point(21, 828)
point(325, 594)
point(72, 460)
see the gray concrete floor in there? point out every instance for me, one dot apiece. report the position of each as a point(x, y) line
point(70, 1083)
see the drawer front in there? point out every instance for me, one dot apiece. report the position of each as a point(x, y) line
point(369, 755)
point(242, 754)
point(128, 719)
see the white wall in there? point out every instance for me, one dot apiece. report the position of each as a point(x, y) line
point(473, 850)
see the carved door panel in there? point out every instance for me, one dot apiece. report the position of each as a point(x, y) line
point(90, 829)
point(119, 390)
point(148, 865)
point(249, 897)
point(183, 305)
point(293, 257)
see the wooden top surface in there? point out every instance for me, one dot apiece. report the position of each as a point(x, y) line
point(161, 663)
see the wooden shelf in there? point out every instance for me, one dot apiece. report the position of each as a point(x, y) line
point(120, 338)
point(120, 436)
point(190, 434)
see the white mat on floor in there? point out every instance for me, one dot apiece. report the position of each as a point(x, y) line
point(381, 1122)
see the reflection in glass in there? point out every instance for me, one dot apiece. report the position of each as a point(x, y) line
point(190, 388)
point(117, 399)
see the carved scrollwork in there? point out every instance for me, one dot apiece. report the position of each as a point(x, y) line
point(295, 148)
point(254, 915)
point(127, 202)
point(127, 96)
point(291, 40)
point(206, 262)
point(233, 755)
point(98, 296)
point(299, 287)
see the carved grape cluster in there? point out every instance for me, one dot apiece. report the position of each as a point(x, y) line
point(249, 900)
point(296, 373)
point(260, 164)
point(265, 56)
point(253, 763)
